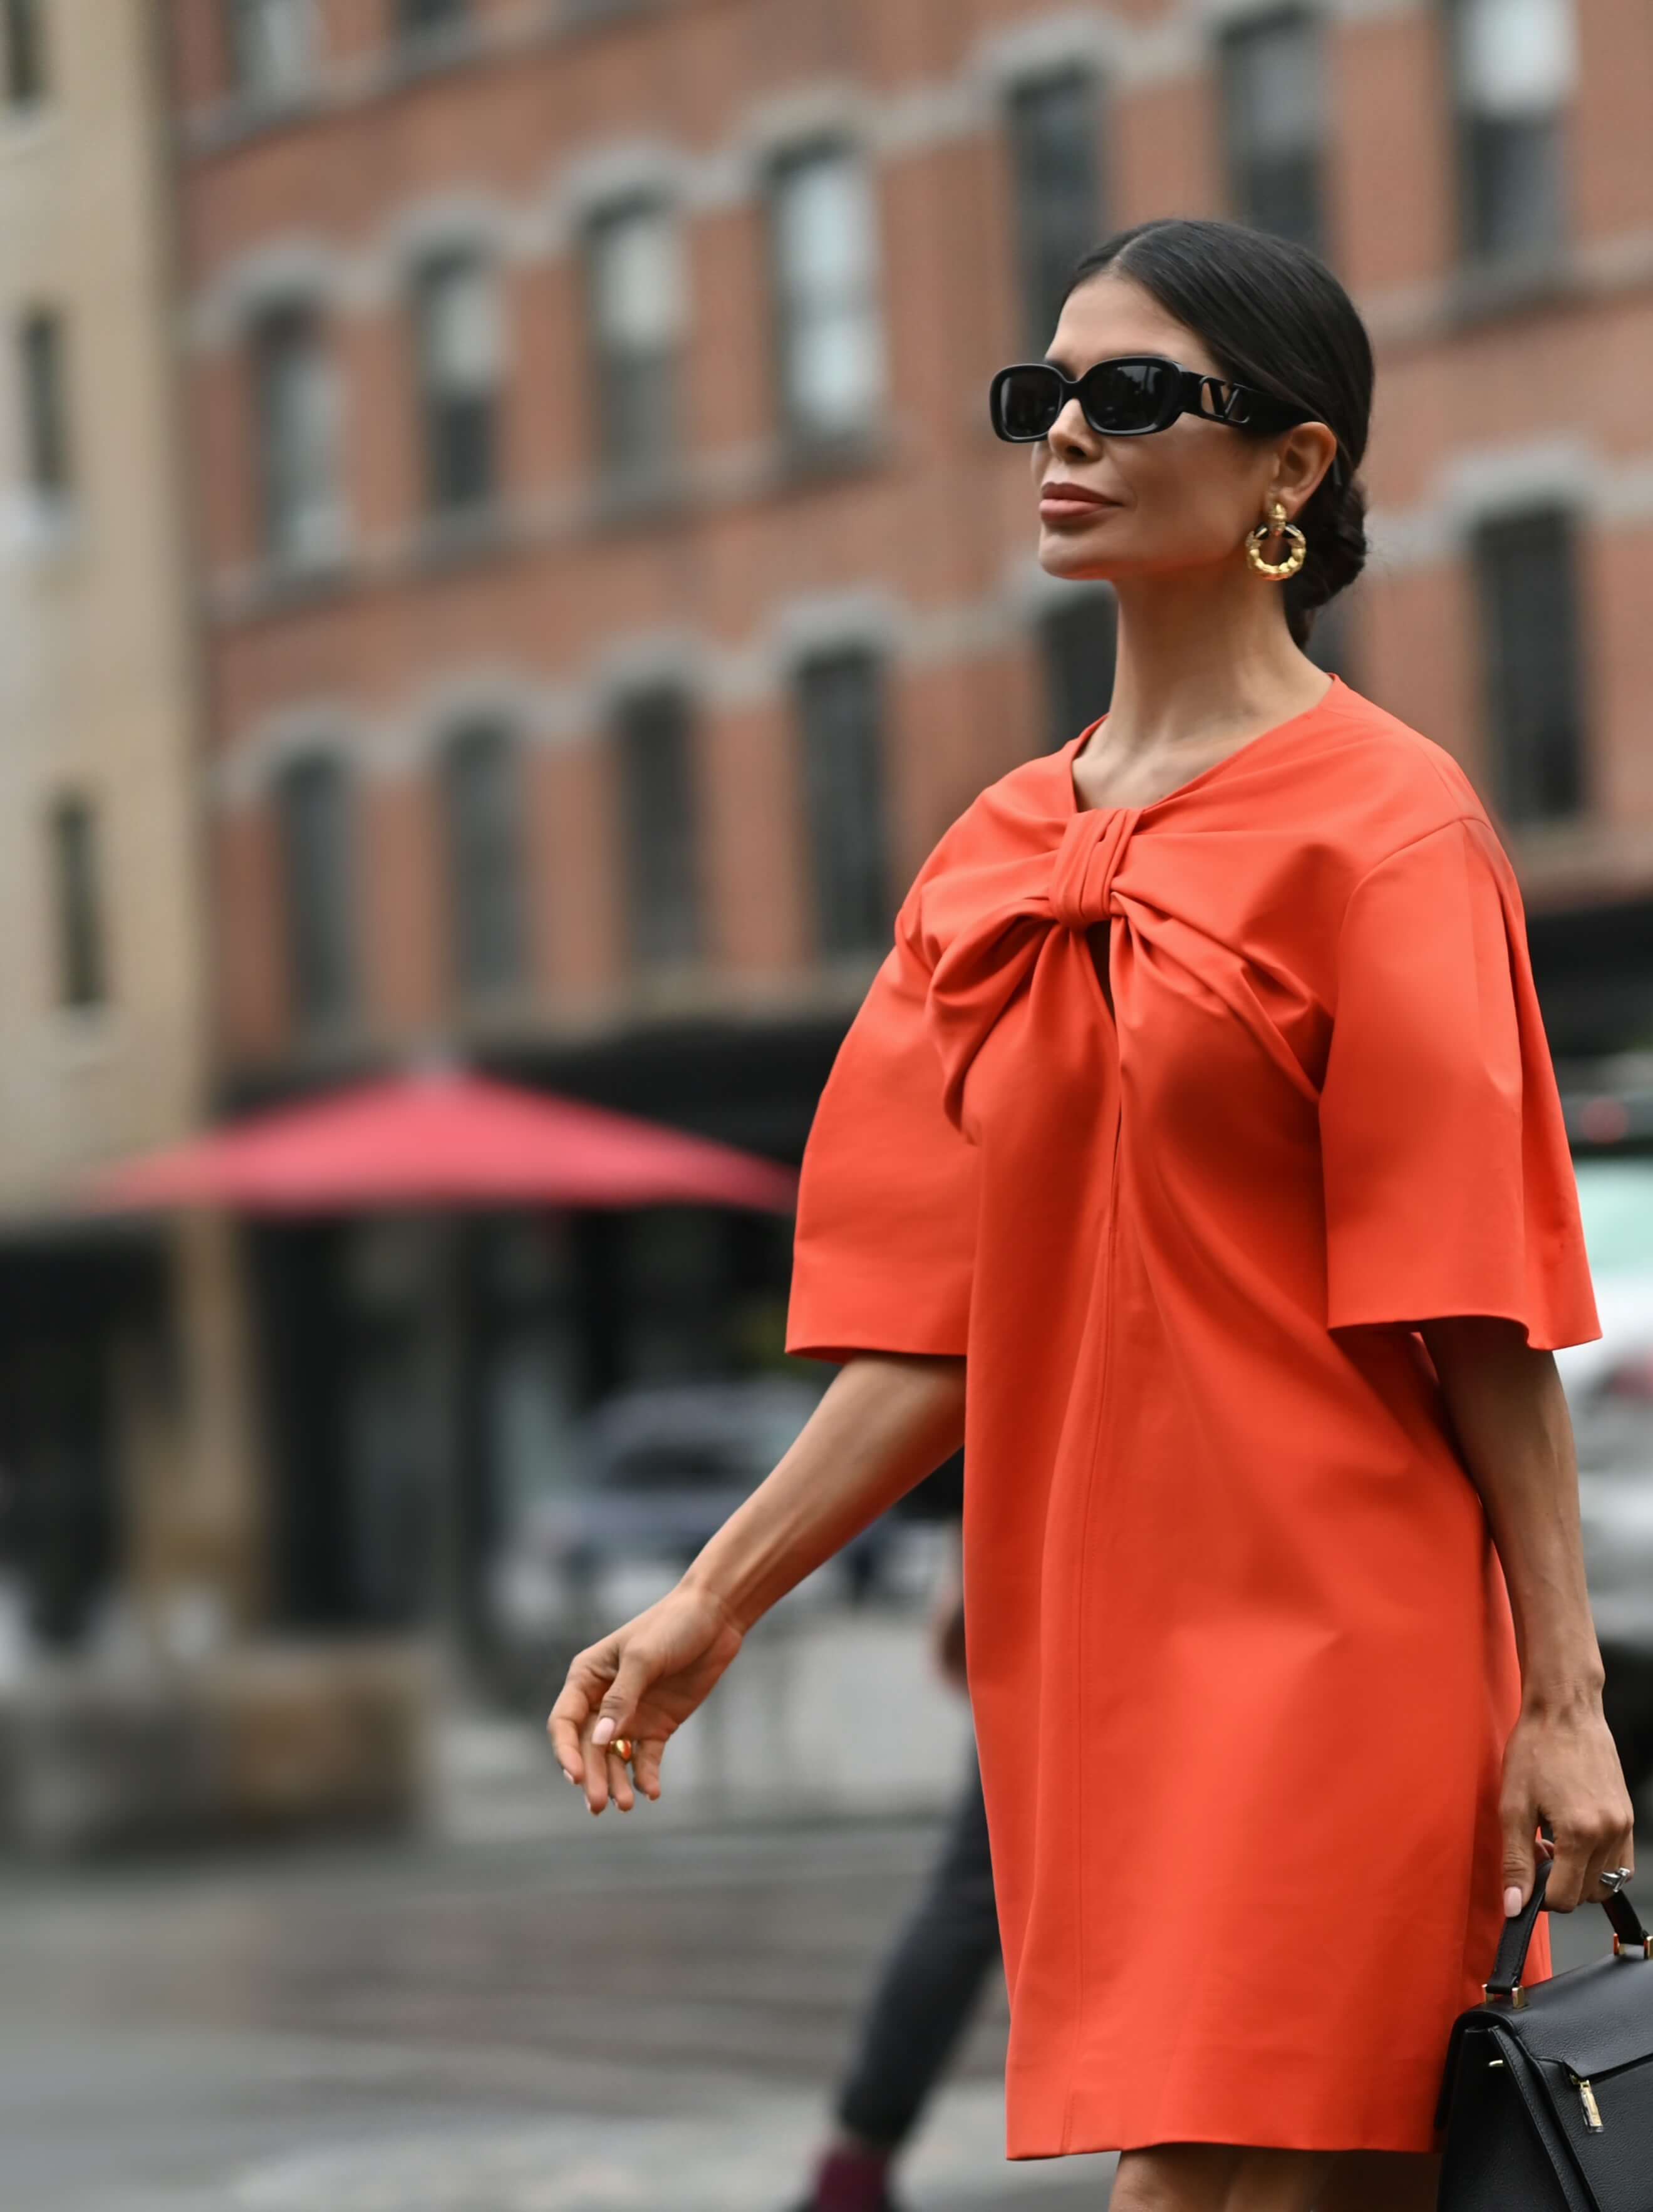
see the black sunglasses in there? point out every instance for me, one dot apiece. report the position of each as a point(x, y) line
point(1128, 397)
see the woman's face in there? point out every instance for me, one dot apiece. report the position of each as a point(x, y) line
point(1181, 499)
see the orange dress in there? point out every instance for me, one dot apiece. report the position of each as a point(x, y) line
point(1174, 1120)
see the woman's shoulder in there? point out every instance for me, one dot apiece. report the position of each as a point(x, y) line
point(1020, 813)
point(1384, 784)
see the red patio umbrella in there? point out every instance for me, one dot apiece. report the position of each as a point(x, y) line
point(443, 1139)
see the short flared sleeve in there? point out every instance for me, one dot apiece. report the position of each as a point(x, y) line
point(885, 1246)
point(1448, 1182)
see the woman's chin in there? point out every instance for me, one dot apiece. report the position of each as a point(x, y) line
point(1061, 556)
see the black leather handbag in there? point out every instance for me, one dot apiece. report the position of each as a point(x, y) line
point(1547, 2099)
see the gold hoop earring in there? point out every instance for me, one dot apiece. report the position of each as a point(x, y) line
point(1276, 526)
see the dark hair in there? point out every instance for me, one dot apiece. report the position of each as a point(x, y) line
point(1271, 313)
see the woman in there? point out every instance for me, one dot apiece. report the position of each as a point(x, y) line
point(1201, 1116)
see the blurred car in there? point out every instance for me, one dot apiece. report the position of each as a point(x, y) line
point(1609, 1387)
point(662, 1467)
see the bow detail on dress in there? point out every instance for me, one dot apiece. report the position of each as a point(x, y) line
point(1085, 863)
point(1069, 888)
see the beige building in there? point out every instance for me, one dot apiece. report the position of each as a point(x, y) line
point(118, 1453)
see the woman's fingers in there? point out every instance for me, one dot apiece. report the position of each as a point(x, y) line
point(1620, 1852)
point(620, 1789)
point(1566, 1887)
point(596, 1764)
point(1520, 1824)
point(567, 1715)
point(627, 1769)
point(1580, 1857)
point(589, 1675)
point(638, 1667)
point(646, 1765)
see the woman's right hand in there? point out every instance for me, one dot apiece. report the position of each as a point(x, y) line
point(641, 1682)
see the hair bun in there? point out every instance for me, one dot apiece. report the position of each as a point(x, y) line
point(1335, 525)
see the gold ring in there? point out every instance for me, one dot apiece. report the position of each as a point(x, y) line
point(622, 1747)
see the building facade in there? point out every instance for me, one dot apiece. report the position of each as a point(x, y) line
point(611, 585)
point(120, 1454)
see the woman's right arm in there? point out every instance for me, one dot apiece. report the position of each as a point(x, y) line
point(886, 1420)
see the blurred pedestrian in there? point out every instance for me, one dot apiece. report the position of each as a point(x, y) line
point(927, 1988)
point(1201, 1116)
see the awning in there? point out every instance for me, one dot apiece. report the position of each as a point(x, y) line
point(441, 1140)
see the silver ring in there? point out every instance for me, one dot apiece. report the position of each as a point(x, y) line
point(1614, 1878)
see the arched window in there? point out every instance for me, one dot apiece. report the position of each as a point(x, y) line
point(637, 296)
point(1526, 578)
point(1514, 66)
point(824, 268)
point(482, 809)
point(456, 313)
point(841, 723)
point(1273, 116)
point(430, 19)
point(48, 451)
point(298, 426)
point(659, 818)
point(273, 47)
point(78, 880)
point(315, 806)
point(1053, 124)
point(27, 79)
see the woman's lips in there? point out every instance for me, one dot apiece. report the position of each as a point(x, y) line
point(1071, 506)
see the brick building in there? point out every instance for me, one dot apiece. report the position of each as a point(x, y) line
point(611, 586)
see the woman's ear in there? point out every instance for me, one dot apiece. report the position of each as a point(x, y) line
point(1304, 458)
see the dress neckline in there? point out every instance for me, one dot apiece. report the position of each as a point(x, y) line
point(1070, 753)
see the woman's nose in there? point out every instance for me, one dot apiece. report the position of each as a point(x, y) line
point(1070, 430)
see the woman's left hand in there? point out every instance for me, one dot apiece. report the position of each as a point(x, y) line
point(1563, 1766)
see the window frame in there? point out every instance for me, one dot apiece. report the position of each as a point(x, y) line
point(80, 935)
point(245, 19)
point(853, 895)
point(321, 1003)
point(44, 371)
point(488, 958)
point(458, 20)
point(1483, 246)
point(631, 468)
point(1242, 162)
point(442, 408)
point(27, 32)
point(663, 934)
point(284, 327)
point(1511, 688)
point(1042, 262)
point(803, 436)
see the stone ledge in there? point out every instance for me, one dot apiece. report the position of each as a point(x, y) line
point(266, 1739)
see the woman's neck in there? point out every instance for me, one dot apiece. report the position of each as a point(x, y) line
point(1198, 667)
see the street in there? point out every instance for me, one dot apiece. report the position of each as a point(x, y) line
point(596, 2019)
point(593, 2017)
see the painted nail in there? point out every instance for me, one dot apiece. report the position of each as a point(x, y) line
point(567, 1776)
point(603, 1731)
point(1511, 1903)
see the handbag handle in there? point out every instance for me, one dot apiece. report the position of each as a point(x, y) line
point(1628, 1936)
